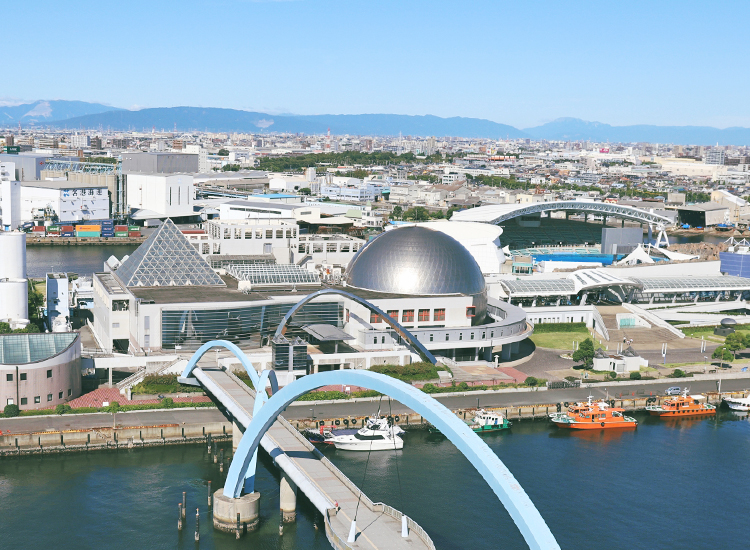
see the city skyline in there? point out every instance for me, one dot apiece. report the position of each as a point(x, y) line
point(520, 65)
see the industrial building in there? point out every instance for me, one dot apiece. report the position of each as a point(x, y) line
point(160, 196)
point(136, 162)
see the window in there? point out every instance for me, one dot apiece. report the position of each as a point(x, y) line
point(382, 339)
point(460, 335)
point(115, 325)
point(424, 314)
point(374, 318)
point(439, 315)
point(484, 335)
point(146, 340)
point(24, 401)
point(37, 399)
point(288, 233)
point(269, 233)
point(9, 378)
point(471, 311)
point(407, 316)
point(375, 340)
point(279, 233)
point(146, 322)
point(393, 314)
point(267, 248)
point(49, 397)
point(10, 401)
point(60, 395)
point(447, 337)
point(23, 376)
point(49, 373)
point(472, 335)
point(70, 392)
point(120, 305)
point(430, 337)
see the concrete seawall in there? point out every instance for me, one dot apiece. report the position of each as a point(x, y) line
point(103, 438)
point(633, 403)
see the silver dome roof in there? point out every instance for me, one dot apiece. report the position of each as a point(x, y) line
point(415, 260)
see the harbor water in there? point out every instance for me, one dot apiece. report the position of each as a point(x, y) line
point(84, 259)
point(673, 483)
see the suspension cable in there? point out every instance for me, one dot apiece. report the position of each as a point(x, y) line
point(364, 474)
point(393, 437)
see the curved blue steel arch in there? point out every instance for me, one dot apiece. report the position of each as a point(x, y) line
point(496, 474)
point(237, 352)
point(423, 352)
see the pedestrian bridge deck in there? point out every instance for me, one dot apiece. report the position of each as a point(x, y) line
point(378, 525)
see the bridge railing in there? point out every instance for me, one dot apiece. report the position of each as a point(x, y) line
point(335, 540)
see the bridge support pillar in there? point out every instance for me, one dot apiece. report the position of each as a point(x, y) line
point(288, 500)
point(226, 509)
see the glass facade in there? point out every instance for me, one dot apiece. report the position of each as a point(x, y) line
point(191, 328)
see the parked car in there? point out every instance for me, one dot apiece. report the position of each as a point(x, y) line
point(674, 390)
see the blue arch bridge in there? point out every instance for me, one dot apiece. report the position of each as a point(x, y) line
point(257, 422)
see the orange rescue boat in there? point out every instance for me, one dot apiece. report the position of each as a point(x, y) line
point(682, 406)
point(593, 416)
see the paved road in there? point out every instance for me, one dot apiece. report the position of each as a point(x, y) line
point(337, 410)
point(124, 419)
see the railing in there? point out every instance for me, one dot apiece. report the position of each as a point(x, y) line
point(599, 324)
point(132, 380)
point(335, 540)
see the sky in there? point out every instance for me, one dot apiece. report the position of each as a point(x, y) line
point(521, 63)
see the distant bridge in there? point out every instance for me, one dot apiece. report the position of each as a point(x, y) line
point(499, 213)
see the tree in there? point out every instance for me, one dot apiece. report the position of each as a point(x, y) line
point(450, 212)
point(531, 381)
point(585, 353)
point(734, 343)
point(612, 375)
point(11, 411)
point(723, 354)
point(223, 153)
point(305, 191)
point(438, 215)
point(397, 212)
point(4, 328)
point(36, 300)
point(417, 214)
point(63, 408)
point(635, 375)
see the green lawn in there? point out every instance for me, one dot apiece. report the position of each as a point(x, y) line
point(559, 340)
point(708, 333)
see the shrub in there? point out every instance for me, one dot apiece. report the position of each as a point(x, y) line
point(164, 383)
point(421, 370)
point(322, 396)
point(560, 327)
point(463, 386)
point(430, 388)
point(678, 373)
point(366, 393)
point(613, 375)
point(11, 411)
point(63, 408)
point(571, 378)
point(167, 402)
point(531, 381)
point(635, 375)
point(113, 407)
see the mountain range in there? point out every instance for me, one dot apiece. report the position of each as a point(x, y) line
point(43, 111)
point(79, 114)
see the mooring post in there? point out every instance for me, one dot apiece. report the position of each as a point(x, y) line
point(179, 516)
point(184, 504)
point(237, 531)
point(209, 494)
point(197, 525)
point(281, 528)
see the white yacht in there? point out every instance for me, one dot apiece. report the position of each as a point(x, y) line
point(738, 403)
point(367, 439)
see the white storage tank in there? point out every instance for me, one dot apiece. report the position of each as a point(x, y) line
point(14, 299)
point(13, 250)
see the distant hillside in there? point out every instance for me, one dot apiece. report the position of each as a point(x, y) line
point(231, 120)
point(41, 112)
point(575, 129)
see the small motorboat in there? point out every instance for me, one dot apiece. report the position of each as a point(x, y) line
point(592, 416)
point(378, 434)
point(738, 403)
point(485, 421)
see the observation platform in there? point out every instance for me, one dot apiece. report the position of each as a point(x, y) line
point(378, 525)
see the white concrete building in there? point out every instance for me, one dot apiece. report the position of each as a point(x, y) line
point(70, 201)
point(161, 195)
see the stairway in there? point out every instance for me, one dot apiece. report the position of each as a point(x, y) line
point(640, 335)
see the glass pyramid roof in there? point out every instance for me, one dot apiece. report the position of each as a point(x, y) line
point(167, 258)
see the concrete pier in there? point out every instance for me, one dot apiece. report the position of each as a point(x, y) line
point(226, 509)
point(288, 499)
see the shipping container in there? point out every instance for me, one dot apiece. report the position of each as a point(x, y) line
point(53, 229)
point(134, 233)
point(88, 234)
point(96, 228)
point(121, 233)
point(133, 228)
point(121, 228)
point(68, 234)
point(67, 228)
point(38, 229)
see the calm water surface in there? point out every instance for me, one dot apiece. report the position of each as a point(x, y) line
point(681, 484)
point(83, 260)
